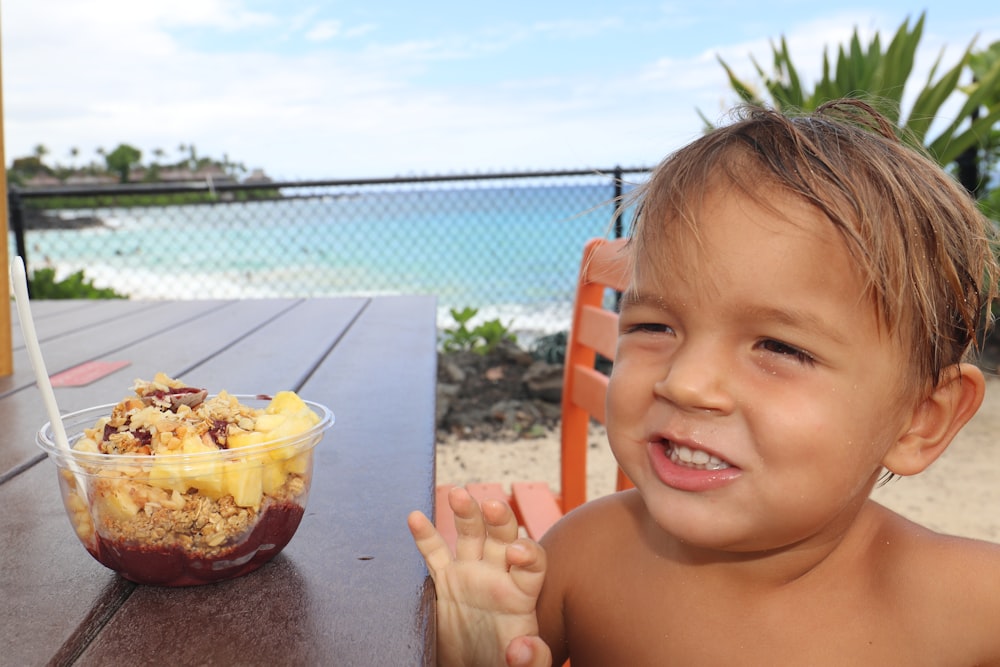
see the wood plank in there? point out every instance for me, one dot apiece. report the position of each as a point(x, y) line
point(52, 588)
point(173, 339)
point(282, 352)
point(350, 588)
point(64, 347)
point(53, 601)
point(76, 315)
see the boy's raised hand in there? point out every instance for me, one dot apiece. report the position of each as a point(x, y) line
point(487, 590)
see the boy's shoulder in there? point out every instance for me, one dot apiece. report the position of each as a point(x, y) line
point(945, 588)
point(959, 572)
point(920, 548)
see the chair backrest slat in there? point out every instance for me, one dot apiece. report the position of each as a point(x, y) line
point(590, 386)
point(594, 331)
point(599, 330)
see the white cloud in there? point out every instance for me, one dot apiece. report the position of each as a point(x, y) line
point(94, 74)
point(323, 31)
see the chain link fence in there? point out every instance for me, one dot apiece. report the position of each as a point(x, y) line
point(507, 244)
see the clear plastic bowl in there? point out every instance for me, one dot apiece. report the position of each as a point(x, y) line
point(185, 519)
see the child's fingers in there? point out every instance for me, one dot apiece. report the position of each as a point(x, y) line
point(526, 559)
point(501, 524)
point(429, 542)
point(469, 524)
point(501, 530)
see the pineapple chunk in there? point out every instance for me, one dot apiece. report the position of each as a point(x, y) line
point(274, 478)
point(290, 429)
point(206, 476)
point(245, 439)
point(244, 481)
point(167, 475)
point(120, 504)
point(192, 444)
point(269, 421)
point(286, 402)
point(208, 480)
point(299, 464)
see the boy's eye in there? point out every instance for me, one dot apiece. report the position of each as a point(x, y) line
point(784, 349)
point(650, 327)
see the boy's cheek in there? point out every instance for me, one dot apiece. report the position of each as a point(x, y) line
point(622, 400)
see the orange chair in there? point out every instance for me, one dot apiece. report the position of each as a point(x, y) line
point(594, 331)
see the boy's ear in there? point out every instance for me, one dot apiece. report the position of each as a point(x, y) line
point(936, 419)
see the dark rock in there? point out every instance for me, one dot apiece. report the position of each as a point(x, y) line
point(446, 394)
point(485, 396)
point(510, 352)
point(451, 369)
point(544, 381)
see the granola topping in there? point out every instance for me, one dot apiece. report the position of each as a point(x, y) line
point(201, 513)
point(164, 414)
point(196, 523)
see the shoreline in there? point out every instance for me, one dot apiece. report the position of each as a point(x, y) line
point(959, 494)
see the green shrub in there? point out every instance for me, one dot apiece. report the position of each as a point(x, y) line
point(482, 339)
point(44, 285)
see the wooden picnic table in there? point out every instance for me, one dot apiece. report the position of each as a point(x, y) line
point(350, 588)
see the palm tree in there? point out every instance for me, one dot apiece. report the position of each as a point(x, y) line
point(121, 161)
point(880, 77)
point(982, 63)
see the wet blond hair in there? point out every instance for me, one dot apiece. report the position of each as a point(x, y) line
point(922, 247)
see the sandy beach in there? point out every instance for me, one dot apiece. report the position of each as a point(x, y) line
point(958, 494)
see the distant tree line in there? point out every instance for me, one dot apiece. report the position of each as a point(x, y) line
point(123, 164)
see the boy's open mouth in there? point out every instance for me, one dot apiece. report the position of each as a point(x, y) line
point(693, 458)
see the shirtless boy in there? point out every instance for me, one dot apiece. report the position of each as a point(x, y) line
point(805, 296)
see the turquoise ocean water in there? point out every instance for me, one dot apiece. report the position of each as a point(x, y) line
point(511, 251)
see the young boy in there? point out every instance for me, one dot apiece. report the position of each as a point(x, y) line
point(804, 295)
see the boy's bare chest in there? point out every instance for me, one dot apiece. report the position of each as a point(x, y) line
point(695, 625)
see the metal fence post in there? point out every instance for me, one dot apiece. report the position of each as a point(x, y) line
point(619, 228)
point(16, 204)
point(16, 207)
point(618, 202)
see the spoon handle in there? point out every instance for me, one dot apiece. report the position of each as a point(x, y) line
point(19, 279)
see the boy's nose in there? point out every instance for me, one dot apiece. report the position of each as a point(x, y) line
point(696, 379)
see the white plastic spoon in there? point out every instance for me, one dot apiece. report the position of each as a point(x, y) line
point(19, 279)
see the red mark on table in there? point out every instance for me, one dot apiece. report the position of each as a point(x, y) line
point(86, 373)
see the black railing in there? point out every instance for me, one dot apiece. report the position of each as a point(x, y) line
point(506, 243)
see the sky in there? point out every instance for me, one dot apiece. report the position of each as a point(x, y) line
point(315, 90)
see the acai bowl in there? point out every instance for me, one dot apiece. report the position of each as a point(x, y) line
point(175, 487)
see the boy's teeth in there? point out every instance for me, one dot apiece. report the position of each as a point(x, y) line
point(695, 458)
